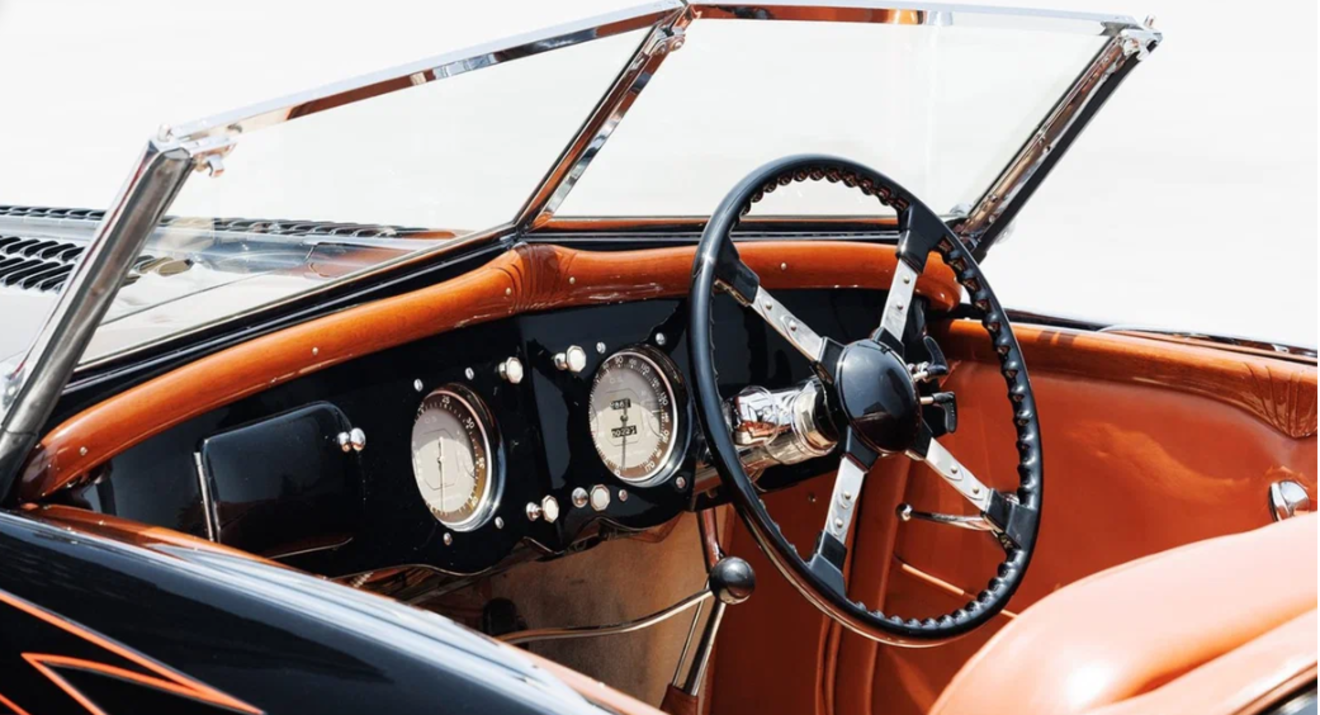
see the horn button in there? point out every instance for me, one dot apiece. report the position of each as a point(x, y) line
point(877, 396)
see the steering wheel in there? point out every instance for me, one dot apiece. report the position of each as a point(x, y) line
point(871, 401)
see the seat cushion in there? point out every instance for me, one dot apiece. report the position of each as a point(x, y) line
point(1136, 628)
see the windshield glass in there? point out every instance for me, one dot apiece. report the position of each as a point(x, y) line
point(939, 108)
point(304, 203)
point(325, 186)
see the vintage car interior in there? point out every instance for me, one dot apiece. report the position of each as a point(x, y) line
point(734, 462)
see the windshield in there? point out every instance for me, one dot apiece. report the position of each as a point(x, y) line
point(322, 187)
point(939, 108)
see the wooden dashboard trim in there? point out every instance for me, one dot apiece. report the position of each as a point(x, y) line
point(526, 279)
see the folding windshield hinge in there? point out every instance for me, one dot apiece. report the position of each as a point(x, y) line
point(668, 39)
point(207, 152)
point(1138, 43)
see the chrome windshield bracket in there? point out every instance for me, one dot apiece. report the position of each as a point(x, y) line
point(34, 384)
point(666, 37)
point(1001, 201)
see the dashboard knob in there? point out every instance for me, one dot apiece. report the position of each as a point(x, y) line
point(511, 370)
point(574, 359)
point(600, 497)
point(550, 509)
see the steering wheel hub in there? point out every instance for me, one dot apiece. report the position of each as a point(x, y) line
point(877, 396)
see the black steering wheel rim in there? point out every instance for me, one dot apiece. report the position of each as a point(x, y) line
point(922, 231)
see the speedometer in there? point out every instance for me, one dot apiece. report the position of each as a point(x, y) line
point(451, 456)
point(635, 415)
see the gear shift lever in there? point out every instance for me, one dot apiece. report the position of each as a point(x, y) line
point(731, 581)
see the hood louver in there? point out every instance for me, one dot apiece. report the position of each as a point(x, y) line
point(38, 264)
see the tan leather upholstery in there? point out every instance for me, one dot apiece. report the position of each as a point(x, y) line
point(1156, 628)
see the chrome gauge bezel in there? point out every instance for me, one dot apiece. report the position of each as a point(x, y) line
point(672, 382)
point(488, 431)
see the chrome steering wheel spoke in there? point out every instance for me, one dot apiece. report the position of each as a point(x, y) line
point(827, 559)
point(893, 321)
point(795, 331)
point(999, 513)
point(943, 463)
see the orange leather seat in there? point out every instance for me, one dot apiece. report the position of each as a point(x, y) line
point(1220, 624)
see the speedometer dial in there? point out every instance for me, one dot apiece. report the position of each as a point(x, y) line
point(451, 455)
point(635, 415)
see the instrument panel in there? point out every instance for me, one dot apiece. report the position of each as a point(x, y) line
point(452, 458)
point(516, 439)
point(637, 401)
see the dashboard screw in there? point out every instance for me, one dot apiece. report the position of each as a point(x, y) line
point(660, 339)
point(623, 495)
point(600, 348)
point(533, 511)
point(680, 483)
point(469, 374)
point(417, 385)
point(449, 538)
point(499, 522)
point(579, 497)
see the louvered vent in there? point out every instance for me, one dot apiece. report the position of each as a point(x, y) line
point(37, 264)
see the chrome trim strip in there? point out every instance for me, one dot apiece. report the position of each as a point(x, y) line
point(431, 69)
point(1136, 330)
point(204, 486)
point(28, 394)
point(919, 13)
point(665, 37)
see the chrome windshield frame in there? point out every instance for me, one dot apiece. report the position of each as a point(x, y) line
point(29, 391)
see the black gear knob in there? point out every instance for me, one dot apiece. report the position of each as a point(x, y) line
point(732, 580)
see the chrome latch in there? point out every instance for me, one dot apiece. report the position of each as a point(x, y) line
point(1288, 499)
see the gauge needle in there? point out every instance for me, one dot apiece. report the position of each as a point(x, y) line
point(440, 465)
point(623, 458)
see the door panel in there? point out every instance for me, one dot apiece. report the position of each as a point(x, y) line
point(1148, 445)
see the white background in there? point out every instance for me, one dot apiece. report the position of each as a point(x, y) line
point(1189, 202)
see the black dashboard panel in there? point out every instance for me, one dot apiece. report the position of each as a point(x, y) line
point(546, 447)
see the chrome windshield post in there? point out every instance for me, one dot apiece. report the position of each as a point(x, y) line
point(29, 391)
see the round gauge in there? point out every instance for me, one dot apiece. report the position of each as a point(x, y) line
point(634, 415)
point(451, 456)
